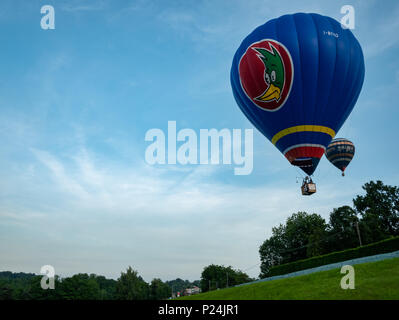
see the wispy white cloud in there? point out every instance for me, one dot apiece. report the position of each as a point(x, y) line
point(62, 179)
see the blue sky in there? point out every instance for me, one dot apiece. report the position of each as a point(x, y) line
point(76, 102)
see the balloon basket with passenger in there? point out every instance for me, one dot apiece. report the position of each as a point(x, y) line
point(308, 187)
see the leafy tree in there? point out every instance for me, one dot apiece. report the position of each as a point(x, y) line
point(131, 286)
point(316, 242)
point(379, 209)
point(302, 236)
point(300, 228)
point(159, 290)
point(215, 276)
point(237, 277)
point(107, 287)
point(271, 251)
point(342, 229)
point(34, 291)
point(6, 290)
point(80, 287)
point(210, 276)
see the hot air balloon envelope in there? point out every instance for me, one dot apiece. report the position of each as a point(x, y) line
point(340, 153)
point(297, 79)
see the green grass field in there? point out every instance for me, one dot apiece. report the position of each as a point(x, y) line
point(375, 280)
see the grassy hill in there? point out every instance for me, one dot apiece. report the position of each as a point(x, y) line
point(375, 280)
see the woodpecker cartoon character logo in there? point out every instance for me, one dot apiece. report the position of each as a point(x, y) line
point(266, 74)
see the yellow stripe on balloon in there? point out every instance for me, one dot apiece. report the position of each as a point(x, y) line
point(302, 128)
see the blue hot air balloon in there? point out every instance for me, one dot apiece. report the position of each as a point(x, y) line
point(340, 153)
point(297, 79)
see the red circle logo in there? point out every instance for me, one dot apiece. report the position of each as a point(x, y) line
point(266, 73)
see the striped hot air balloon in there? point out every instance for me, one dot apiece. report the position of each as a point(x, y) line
point(340, 152)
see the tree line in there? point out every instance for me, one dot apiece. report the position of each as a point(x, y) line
point(373, 217)
point(129, 286)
